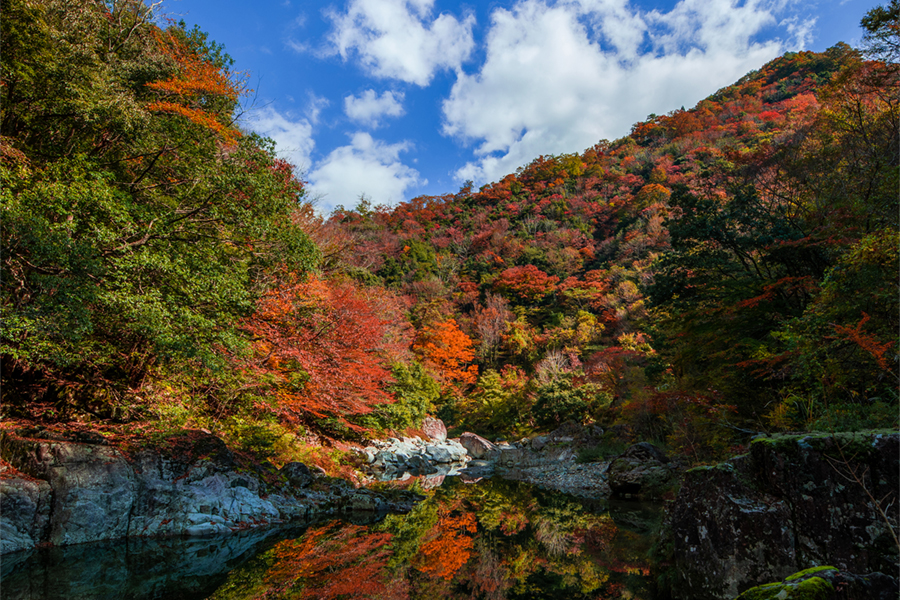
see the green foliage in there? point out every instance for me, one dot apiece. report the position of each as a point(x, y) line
point(880, 37)
point(857, 417)
point(562, 399)
point(500, 403)
point(416, 262)
point(131, 237)
point(415, 393)
point(845, 343)
point(257, 437)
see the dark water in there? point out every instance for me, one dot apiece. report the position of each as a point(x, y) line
point(494, 540)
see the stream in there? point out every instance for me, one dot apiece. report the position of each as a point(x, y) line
point(495, 539)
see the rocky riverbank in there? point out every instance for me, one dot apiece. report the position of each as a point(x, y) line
point(61, 491)
point(549, 461)
point(791, 503)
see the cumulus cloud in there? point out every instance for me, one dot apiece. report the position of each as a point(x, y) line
point(368, 109)
point(558, 77)
point(293, 138)
point(365, 166)
point(399, 39)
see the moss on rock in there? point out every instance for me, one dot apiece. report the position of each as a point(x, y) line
point(804, 585)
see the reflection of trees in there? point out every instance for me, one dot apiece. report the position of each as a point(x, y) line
point(496, 541)
point(489, 575)
point(558, 527)
point(335, 561)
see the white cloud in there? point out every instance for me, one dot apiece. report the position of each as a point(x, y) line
point(398, 39)
point(369, 108)
point(293, 138)
point(366, 166)
point(315, 106)
point(559, 77)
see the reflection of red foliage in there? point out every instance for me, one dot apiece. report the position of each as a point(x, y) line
point(449, 546)
point(337, 561)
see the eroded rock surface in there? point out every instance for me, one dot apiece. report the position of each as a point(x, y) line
point(65, 493)
point(24, 510)
point(790, 503)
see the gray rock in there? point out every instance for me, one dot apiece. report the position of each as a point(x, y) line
point(755, 518)
point(85, 493)
point(477, 446)
point(24, 513)
point(420, 465)
point(538, 442)
point(830, 584)
point(297, 474)
point(438, 454)
point(641, 471)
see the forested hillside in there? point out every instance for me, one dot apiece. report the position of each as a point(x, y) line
point(724, 269)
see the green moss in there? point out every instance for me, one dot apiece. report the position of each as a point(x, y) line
point(799, 586)
point(807, 572)
point(814, 588)
point(858, 443)
point(723, 466)
point(770, 591)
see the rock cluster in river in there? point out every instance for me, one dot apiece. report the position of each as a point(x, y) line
point(392, 458)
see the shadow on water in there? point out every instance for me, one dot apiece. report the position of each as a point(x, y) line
point(495, 540)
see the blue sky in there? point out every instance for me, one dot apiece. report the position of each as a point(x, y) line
point(398, 98)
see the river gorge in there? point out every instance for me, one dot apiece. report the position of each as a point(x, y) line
point(84, 520)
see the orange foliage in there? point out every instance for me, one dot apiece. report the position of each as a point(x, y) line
point(445, 349)
point(866, 341)
point(194, 81)
point(336, 561)
point(325, 344)
point(450, 546)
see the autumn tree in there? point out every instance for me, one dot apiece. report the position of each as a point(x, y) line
point(132, 241)
point(446, 350)
point(327, 345)
point(526, 283)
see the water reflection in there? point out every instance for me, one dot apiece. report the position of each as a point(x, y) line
point(495, 540)
point(170, 568)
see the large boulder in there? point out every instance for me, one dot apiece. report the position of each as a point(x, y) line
point(434, 429)
point(297, 474)
point(93, 487)
point(791, 502)
point(63, 492)
point(478, 447)
point(827, 583)
point(643, 471)
point(24, 511)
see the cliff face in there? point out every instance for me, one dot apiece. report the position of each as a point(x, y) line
point(791, 503)
point(63, 493)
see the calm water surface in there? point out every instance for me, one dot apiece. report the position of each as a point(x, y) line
point(495, 540)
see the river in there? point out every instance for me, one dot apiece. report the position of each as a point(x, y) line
point(495, 539)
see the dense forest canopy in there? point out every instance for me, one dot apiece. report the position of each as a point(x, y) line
point(724, 269)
